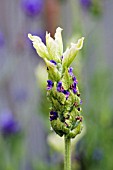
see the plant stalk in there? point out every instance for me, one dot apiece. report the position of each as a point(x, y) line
point(67, 157)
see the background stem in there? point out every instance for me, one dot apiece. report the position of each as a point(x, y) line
point(67, 158)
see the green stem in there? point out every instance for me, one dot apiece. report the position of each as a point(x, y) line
point(67, 158)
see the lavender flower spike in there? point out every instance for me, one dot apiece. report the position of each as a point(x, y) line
point(62, 87)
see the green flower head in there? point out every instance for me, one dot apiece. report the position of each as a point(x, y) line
point(62, 85)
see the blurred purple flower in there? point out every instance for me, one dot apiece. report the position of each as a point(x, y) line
point(97, 154)
point(20, 95)
point(8, 123)
point(86, 3)
point(32, 7)
point(2, 41)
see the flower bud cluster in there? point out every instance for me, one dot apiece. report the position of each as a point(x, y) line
point(65, 111)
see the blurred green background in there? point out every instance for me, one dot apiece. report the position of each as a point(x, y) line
point(25, 136)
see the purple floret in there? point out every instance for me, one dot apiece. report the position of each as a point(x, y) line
point(59, 87)
point(70, 70)
point(73, 87)
point(75, 80)
point(50, 84)
point(54, 62)
point(80, 101)
point(53, 115)
point(67, 93)
point(74, 91)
